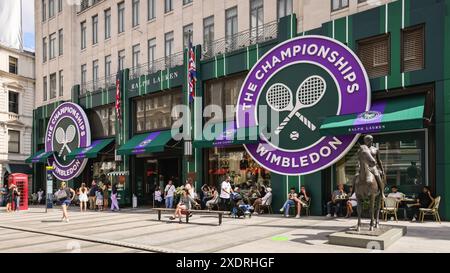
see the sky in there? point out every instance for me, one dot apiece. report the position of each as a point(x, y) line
point(28, 24)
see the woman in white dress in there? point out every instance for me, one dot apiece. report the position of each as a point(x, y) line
point(82, 196)
point(351, 202)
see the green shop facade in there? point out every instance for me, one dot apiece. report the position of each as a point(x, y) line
point(403, 49)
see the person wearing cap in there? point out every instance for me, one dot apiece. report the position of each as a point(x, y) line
point(262, 201)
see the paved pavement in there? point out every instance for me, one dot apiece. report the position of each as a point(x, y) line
point(137, 230)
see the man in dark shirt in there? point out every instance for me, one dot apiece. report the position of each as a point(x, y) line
point(424, 200)
point(91, 195)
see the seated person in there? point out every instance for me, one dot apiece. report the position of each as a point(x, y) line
point(395, 193)
point(262, 201)
point(186, 203)
point(351, 202)
point(424, 200)
point(214, 200)
point(334, 203)
point(158, 197)
point(301, 199)
point(206, 194)
point(292, 200)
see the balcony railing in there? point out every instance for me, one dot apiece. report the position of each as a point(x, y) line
point(103, 83)
point(85, 4)
point(240, 40)
point(157, 65)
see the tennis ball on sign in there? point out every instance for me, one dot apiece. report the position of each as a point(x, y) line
point(294, 135)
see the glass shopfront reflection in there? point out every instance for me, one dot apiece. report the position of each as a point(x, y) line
point(403, 156)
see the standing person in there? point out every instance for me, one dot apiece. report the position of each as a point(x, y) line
point(168, 194)
point(225, 191)
point(105, 195)
point(63, 195)
point(91, 195)
point(16, 198)
point(82, 196)
point(9, 198)
point(40, 194)
point(99, 198)
point(114, 201)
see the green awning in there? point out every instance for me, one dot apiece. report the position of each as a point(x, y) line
point(146, 143)
point(18, 168)
point(226, 134)
point(91, 151)
point(39, 157)
point(404, 113)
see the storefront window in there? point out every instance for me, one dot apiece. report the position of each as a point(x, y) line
point(102, 122)
point(154, 112)
point(403, 158)
point(223, 93)
point(101, 169)
point(235, 162)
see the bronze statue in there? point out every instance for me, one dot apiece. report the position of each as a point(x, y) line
point(369, 182)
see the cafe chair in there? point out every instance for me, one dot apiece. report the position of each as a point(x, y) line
point(390, 207)
point(433, 210)
point(307, 206)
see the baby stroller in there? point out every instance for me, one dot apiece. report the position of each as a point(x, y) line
point(239, 208)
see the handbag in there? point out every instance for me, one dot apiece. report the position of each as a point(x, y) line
point(61, 194)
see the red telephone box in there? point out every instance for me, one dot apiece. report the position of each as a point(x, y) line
point(21, 181)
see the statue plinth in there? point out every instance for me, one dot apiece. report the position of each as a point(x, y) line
point(379, 239)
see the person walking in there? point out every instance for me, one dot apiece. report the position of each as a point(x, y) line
point(225, 192)
point(40, 194)
point(82, 196)
point(168, 194)
point(106, 195)
point(9, 198)
point(114, 202)
point(65, 196)
point(99, 198)
point(91, 195)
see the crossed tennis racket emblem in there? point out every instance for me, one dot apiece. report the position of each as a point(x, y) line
point(279, 97)
point(65, 137)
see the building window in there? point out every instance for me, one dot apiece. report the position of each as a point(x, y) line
point(256, 18)
point(413, 45)
point(151, 12)
point(136, 51)
point(121, 59)
point(223, 93)
point(168, 6)
point(94, 29)
point(60, 5)
point(187, 35)
point(107, 65)
point(231, 28)
point(60, 42)
point(208, 34)
point(14, 141)
point(151, 53)
point(83, 75)
point(44, 89)
point(52, 46)
point(121, 17)
point(135, 15)
point(51, 8)
point(107, 24)
point(13, 65)
point(168, 38)
point(338, 4)
point(284, 8)
point(95, 73)
point(104, 118)
point(361, 1)
point(375, 55)
point(154, 112)
point(83, 35)
point(61, 83)
point(44, 10)
point(185, 2)
point(53, 86)
point(402, 154)
point(44, 49)
point(13, 99)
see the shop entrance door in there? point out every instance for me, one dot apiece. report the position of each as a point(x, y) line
point(169, 168)
point(151, 180)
